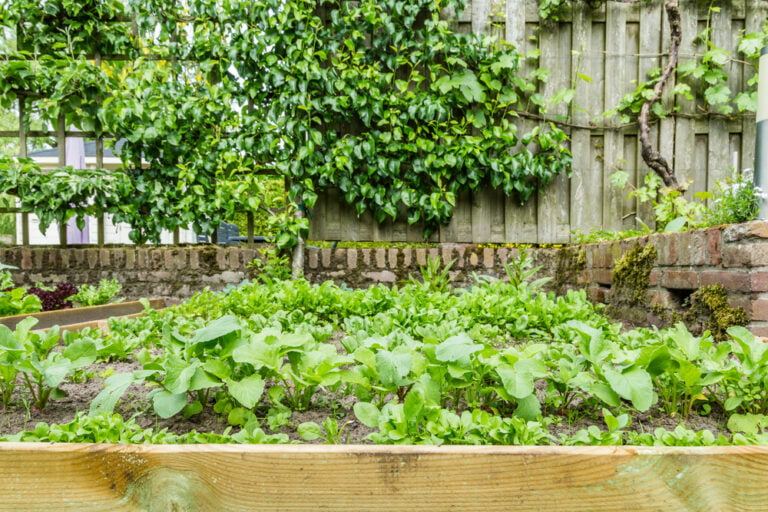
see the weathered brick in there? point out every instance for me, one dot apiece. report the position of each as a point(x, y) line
point(736, 256)
point(759, 329)
point(746, 255)
point(749, 230)
point(392, 257)
point(760, 309)
point(339, 260)
point(434, 253)
point(732, 280)
point(759, 281)
point(714, 243)
point(194, 259)
point(488, 257)
point(653, 278)
point(421, 256)
point(503, 255)
point(602, 276)
point(407, 257)
point(666, 249)
point(383, 276)
point(26, 259)
point(130, 259)
point(168, 259)
point(691, 247)
point(662, 298)
point(313, 258)
point(180, 260)
point(680, 279)
point(325, 257)
point(118, 259)
point(447, 255)
point(352, 259)
point(381, 258)
point(460, 259)
point(473, 259)
point(93, 258)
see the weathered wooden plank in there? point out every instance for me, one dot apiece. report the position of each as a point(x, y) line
point(481, 16)
point(554, 208)
point(615, 87)
point(682, 157)
point(650, 47)
point(481, 215)
point(756, 14)
point(520, 221)
point(335, 216)
point(91, 477)
point(586, 182)
point(719, 157)
point(48, 319)
point(701, 151)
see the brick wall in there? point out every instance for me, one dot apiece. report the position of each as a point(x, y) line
point(734, 256)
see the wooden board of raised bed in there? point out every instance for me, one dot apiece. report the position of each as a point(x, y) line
point(87, 315)
point(209, 478)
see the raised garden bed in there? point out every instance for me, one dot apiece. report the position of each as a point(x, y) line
point(284, 361)
point(40, 477)
point(79, 318)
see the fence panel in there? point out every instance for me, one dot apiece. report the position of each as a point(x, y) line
point(614, 44)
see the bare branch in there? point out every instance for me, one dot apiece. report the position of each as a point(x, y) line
point(653, 158)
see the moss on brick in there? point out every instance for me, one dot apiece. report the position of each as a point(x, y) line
point(710, 309)
point(571, 262)
point(629, 283)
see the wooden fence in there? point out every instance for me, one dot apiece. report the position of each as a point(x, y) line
point(614, 44)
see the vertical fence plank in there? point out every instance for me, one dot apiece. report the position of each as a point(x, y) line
point(682, 157)
point(651, 19)
point(754, 18)
point(586, 181)
point(520, 221)
point(615, 84)
point(554, 209)
point(719, 157)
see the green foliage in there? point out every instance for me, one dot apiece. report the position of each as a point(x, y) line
point(32, 357)
point(15, 301)
point(89, 295)
point(734, 200)
point(112, 429)
point(419, 111)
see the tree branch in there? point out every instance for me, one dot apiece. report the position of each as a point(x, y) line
point(653, 158)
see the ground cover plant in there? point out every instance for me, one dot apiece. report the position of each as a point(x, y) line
point(284, 360)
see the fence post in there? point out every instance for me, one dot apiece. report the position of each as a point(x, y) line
point(761, 137)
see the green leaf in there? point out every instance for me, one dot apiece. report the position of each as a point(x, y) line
point(248, 391)
point(367, 413)
point(516, 383)
point(634, 385)
point(309, 431)
point(217, 329)
point(456, 347)
point(678, 224)
point(168, 404)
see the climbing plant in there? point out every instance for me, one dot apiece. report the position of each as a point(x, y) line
point(382, 99)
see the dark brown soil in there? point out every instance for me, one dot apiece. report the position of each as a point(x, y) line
point(19, 416)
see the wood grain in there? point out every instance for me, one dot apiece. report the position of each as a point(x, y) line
point(40, 477)
point(47, 319)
